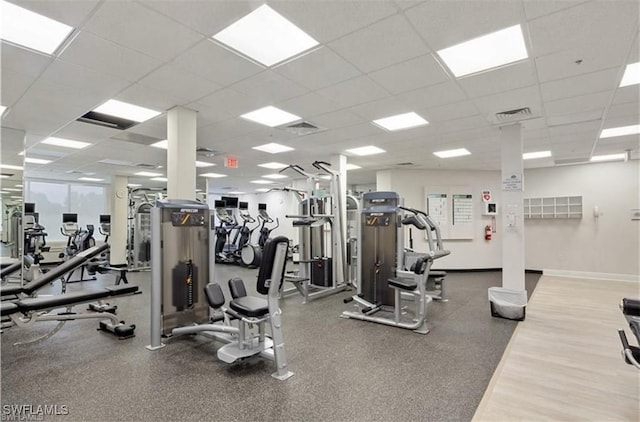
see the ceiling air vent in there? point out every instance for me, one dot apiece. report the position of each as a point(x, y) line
point(405, 164)
point(146, 166)
point(514, 115)
point(106, 121)
point(207, 152)
point(302, 128)
point(74, 172)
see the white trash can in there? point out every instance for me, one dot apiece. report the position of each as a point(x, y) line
point(508, 303)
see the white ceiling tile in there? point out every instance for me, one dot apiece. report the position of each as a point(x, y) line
point(579, 104)
point(95, 53)
point(574, 27)
point(309, 104)
point(627, 94)
point(411, 74)
point(226, 129)
point(215, 63)
point(134, 26)
point(229, 102)
point(572, 118)
point(156, 127)
point(432, 96)
point(330, 19)
point(499, 80)
point(178, 83)
point(14, 85)
point(209, 115)
point(617, 145)
point(382, 44)
point(579, 85)
point(269, 87)
point(536, 8)
point(336, 119)
point(627, 110)
point(510, 100)
point(380, 108)
point(24, 61)
point(318, 69)
point(450, 111)
point(465, 123)
point(86, 132)
point(145, 96)
point(446, 23)
point(101, 85)
point(73, 13)
point(354, 91)
point(205, 16)
point(573, 130)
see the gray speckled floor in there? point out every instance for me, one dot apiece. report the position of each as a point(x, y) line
point(345, 370)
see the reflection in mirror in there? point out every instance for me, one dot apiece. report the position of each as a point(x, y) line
point(11, 199)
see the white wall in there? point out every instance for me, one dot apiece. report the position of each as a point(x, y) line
point(608, 244)
point(465, 254)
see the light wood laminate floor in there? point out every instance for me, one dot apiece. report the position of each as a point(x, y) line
point(564, 361)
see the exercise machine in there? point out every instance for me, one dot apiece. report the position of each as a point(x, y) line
point(382, 286)
point(322, 269)
point(243, 236)
point(251, 254)
point(631, 311)
point(183, 301)
point(227, 223)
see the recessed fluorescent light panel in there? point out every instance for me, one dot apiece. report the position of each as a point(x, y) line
point(32, 30)
point(126, 111)
point(159, 179)
point(266, 37)
point(65, 143)
point(608, 157)
point(270, 116)
point(486, 52)
point(452, 153)
point(262, 182)
point(353, 167)
point(213, 175)
point(537, 154)
point(161, 144)
point(134, 185)
point(31, 160)
point(237, 193)
point(273, 166)
point(368, 150)
point(273, 148)
point(90, 179)
point(263, 190)
point(203, 164)
point(401, 121)
point(148, 174)
point(631, 75)
point(2, 109)
point(10, 167)
point(620, 131)
point(275, 176)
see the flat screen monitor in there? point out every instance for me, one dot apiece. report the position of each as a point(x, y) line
point(219, 204)
point(244, 205)
point(232, 202)
point(105, 219)
point(29, 207)
point(262, 207)
point(69, 218)
point(36, 216)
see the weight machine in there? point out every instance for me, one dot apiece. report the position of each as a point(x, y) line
point(322, 272)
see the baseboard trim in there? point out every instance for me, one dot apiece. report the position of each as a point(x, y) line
point(592, 275)
point(480, 270)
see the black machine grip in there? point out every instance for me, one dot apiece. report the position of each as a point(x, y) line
point(623, 339)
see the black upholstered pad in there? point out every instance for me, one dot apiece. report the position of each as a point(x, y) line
point(403, 283)
point(121, 290)
point(631, 307)
point(8, 308)
point(11, 290)
point(41, 303)
point(250, 306)
point(437, 274)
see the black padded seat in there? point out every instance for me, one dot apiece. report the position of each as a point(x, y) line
point(631, 307)
point(403, 283)
point(250, 306)
point(50, 302)
point(11, 290)
point(121, 290)
point(8, 308)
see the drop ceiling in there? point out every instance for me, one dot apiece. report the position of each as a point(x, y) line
point(375, 59)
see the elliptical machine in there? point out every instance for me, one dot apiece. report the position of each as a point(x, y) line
point(227, 223)
point(251, 254)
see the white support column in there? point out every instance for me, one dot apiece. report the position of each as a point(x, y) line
point(512, 212)
point(383, 181)
point(339, 164)
point(181, 154)
point(118, 234)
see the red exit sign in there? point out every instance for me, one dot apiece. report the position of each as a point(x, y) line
point(231, 162)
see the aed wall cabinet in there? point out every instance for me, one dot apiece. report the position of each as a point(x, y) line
point(489, 208)
point(557, 207)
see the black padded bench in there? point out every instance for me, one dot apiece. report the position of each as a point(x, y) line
point(52, 302)
point(55, 273)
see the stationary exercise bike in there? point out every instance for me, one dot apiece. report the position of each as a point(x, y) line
point(251, 254)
